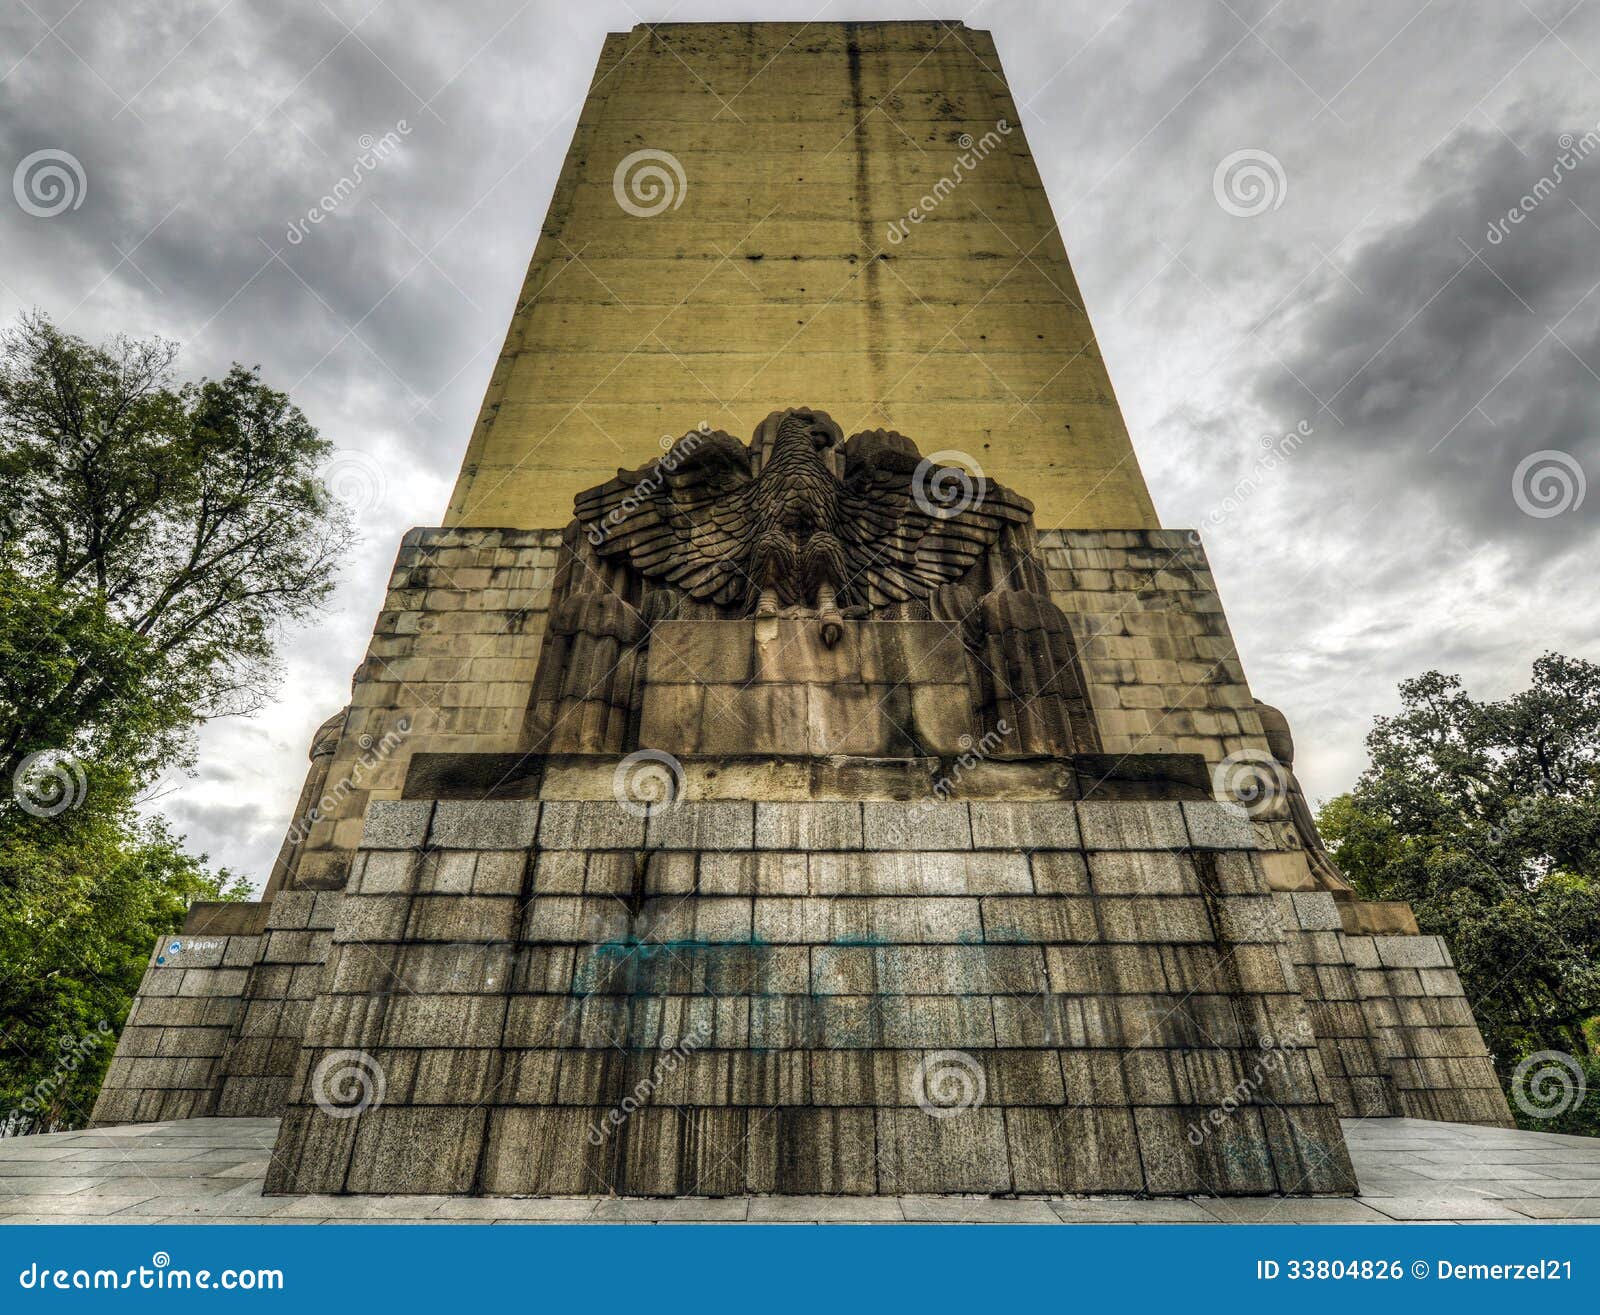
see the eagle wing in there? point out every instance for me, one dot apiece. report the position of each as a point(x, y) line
point(909, 525)
point(685, 518)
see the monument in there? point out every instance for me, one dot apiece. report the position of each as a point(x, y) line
point(857, 791)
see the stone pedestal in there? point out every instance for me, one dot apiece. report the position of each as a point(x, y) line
point(887, 689)
point(571, 998)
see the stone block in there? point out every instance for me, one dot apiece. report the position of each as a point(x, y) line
point(446, 872)
point(1116, 824)
point(444, 1020)
point(927, 824)
point(1040, 920)
point(589, 824)
point(1316, 911)
point(918, 1153)
point(463, 918)
point(1041, 824)
point(708, 652)
point(1218, 826)
point(1412, 952)
point(808, 826)
point(484, 824)
point(503, 872)
point(1142, 872)
point(702, 826)
point(1056, 873)
point(827, 1152)
point(396, 824)
point(424, 1150)
point(560, 872)
point(1072, 1151)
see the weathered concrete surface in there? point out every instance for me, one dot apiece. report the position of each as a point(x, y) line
point(211, 1171)
point(769, 277)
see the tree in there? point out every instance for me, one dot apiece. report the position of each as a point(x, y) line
point(181, 524)
point(83, 895)
point(154, 539)
point(1485, 816)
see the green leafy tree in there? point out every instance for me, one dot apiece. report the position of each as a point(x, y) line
point(83, 895)
point(155, 537)
point(1485, 817)
point(182, 524)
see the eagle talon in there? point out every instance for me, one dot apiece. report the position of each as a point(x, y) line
point(832, 629)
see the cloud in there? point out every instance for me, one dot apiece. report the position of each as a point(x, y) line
point(1457, 344)
point(205, 131)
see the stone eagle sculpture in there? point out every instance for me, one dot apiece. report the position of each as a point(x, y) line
point(799, 523)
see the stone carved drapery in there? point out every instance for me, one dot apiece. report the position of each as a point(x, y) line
point(1280, 741)
point(799, 523)
point(324, 745)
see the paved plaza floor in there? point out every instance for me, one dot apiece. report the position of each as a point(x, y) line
point(211, 1171)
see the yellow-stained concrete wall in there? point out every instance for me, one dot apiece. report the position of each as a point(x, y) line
point(774, 281)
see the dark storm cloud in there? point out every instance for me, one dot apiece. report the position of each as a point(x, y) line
point(198, 169)
point(1460, 341)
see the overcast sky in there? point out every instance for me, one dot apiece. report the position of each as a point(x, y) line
point(1346, 283)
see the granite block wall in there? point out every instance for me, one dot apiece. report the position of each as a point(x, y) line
point(253, 1077)
point(449, 669)
point(565, 997)
point(452, 660)
point(170, 1054)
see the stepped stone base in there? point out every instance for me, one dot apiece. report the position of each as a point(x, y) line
point(835, 997)
point(753, 980)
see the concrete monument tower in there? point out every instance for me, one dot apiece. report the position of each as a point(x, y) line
point(856, 790)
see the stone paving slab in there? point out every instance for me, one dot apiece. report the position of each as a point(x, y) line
point(211, 1171)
